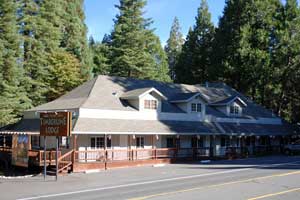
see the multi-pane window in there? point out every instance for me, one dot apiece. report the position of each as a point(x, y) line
point(234, 110)
point(196, 107)
point(150, 104)
point(98, 142)
point(140, 142)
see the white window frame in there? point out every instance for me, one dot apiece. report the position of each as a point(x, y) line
point(150, 104)
point(100, 139)
point(234, 110)
point(196, 107)
point(140, 142)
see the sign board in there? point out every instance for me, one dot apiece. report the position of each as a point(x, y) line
point(20, 147)
point(56, 124)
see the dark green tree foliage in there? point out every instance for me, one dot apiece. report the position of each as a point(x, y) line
point(255, 49)
point(286, 63)
point(40, 29)
point(74, 35)
point(173, 47)
point(195, 60)
point(135, 51)
point(227, 42)
point(100, 54)
point(13, 98)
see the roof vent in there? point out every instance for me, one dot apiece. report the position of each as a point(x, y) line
point(115, 94)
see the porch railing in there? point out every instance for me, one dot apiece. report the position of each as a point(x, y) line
point(112, 155)
point(37, 157)
point(5, 149)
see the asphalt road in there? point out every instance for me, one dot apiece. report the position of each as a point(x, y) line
point(267, 178)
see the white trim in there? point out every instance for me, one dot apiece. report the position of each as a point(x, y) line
point(136, 133)
point(151, 90)
point(156, 116)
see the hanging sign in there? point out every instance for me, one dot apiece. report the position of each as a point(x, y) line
point(56, 124)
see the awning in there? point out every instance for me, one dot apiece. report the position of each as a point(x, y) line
point(23, 127)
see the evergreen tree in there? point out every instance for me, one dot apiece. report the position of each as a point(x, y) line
point(101, 54)
point(256, 41)
point(227, 42)
point(173, 47)
point(75, 35)
point(196, 58)
point(132, 43)
point(286, 65)
point(13, 98)
point(185, 59)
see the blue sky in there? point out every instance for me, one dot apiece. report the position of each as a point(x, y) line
point(100, 15)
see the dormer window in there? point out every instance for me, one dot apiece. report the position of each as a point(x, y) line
point(196, 107)
point(150, 104)
point(234, 110)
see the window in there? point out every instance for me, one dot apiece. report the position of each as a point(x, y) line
point(225, 142)
point(170, 143)
point(196, 107)
point(234, 110)
point(35, 141)
point(139, 142)
point(98, 142)
point(150, 104)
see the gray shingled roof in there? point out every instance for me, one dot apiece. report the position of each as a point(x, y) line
point(28, 126)
point(104, 92)
point(71, 100)
point(257, 129)
point(134, 93)
point(177, 97)
point(144, 126)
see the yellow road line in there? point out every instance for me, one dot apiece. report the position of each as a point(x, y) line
point(213, 186)
point(274, 194)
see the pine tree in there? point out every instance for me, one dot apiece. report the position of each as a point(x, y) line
point(173, 47)
point(101, 54)
point(256, 40)
point(185, 59)
point(198, 48)
point(227, 42)
point(13, 98)
point(286, 65)
point(74, 35)
point(132, 42)
point(40, 30)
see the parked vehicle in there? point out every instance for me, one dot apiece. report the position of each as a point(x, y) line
point(292, 148)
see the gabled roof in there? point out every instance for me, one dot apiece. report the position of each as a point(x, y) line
point(228, 101)
point(104, 92)
point(138, 93)
point(183, 97)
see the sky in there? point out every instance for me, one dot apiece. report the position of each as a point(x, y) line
point(100, 15)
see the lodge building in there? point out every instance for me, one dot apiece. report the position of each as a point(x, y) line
point(123, 122)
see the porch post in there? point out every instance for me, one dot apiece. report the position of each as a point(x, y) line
point(4, 141)
point(211, 146)
point(74, 148)
point(105, 151)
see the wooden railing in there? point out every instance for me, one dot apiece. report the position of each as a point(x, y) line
point(37, 157)
point(65, 161)
point(5, 149)
point(112, 155)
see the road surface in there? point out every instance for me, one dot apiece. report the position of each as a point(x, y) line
point(268, 178)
